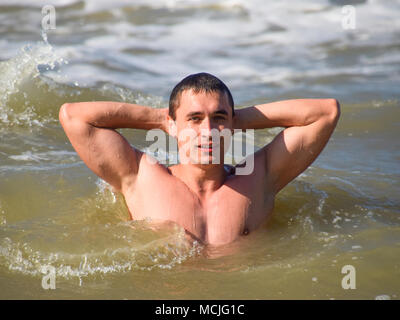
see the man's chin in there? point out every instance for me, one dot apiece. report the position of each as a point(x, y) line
point(206, 165)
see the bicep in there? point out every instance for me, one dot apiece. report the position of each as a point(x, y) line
point(294, 149)
point(105, 151)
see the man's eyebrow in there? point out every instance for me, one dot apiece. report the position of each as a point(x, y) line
point(197, 113)
point(194, 113)
point(221, 111)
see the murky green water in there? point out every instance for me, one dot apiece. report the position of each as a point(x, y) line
point(344, 210)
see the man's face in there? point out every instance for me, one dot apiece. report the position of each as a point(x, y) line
point(201, 121)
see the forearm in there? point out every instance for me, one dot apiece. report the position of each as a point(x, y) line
point(105, 114)
point(287, 113)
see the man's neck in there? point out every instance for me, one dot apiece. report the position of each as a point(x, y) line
point(201, 179)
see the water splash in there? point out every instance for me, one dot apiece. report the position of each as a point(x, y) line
point(163, 253)
point(18, 75)
point(95, 239)
point(24, 66)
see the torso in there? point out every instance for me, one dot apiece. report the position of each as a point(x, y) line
point(238, 207)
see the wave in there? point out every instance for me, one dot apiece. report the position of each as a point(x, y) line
point(30, 98)
point(162, 253)
point(93, 240)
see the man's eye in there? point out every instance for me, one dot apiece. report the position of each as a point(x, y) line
point(194, 118)
point(219, 118)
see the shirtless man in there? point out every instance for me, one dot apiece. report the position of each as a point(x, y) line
point(213, 205)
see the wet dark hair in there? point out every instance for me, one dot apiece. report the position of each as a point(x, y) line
point(198, 82)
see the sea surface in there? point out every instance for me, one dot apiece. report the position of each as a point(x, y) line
point(343, 210)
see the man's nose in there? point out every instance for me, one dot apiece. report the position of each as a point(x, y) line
point(210, 123)
point(208, 129)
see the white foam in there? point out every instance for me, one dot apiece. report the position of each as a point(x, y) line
point(44, 156)
point(20, 69)
point(164, 253)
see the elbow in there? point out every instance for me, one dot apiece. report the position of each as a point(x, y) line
point(333, 109)
point(63, 115)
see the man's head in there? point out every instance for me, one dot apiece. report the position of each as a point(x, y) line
point(198, 83)
point(201, 115)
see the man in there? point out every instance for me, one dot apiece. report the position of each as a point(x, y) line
point(213, 205)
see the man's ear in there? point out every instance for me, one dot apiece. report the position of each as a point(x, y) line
point(171, 127)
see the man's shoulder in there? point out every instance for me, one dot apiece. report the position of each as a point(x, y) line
point(150, 172)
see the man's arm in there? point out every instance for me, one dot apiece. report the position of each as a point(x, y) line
point(90, 128)
point(309, 124)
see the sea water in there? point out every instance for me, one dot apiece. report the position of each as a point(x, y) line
point(343, 210)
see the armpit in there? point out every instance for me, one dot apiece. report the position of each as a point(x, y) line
point(229, 169)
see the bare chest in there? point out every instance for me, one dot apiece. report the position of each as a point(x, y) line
point(219, 219)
